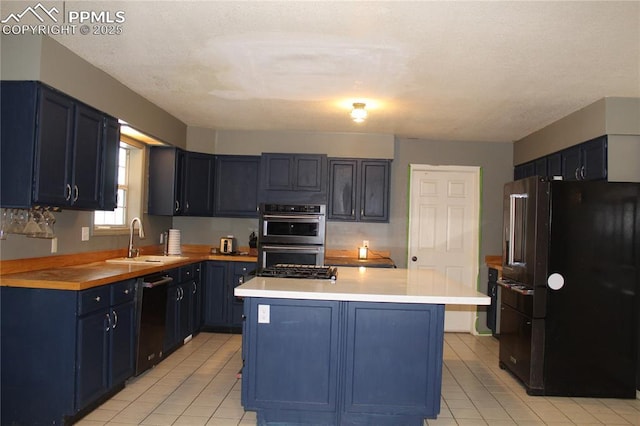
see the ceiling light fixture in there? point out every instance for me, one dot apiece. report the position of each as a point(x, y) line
point(358, 113)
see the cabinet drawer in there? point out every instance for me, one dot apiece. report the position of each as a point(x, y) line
point(93, 299)
point(123, 291)
point(243, 268)
point(187, 273)
point(173, 273)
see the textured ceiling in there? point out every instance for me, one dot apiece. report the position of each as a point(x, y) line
point(478, 71)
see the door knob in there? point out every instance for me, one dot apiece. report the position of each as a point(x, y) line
point(413, 259)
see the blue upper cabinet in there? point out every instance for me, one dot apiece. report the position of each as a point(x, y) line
point(180, 182)
point(359, 189)
point(198, 184)
point(293, 178)
point(56, 151)
point(586, 161)
point(236, 185)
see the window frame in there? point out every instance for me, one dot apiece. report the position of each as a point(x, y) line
point(136, 187)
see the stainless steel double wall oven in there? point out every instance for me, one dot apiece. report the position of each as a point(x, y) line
point(292, 234)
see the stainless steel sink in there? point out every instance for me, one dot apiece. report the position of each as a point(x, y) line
point(147, 259)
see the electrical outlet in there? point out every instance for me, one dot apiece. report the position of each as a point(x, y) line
point(264, 314)
point(85, 233)
point(54, 245)
point(365, 243)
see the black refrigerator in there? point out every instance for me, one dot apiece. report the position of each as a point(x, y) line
point(569, 287)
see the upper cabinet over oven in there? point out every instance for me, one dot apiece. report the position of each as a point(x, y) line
point(293, 178)
point(56, 151)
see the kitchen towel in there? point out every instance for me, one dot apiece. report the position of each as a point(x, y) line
point(174, 242)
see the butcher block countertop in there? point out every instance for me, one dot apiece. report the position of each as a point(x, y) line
point(83, 271)
point(388, 285)
point(494, 261)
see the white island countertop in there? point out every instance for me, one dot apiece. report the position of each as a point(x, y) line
point(369, 285)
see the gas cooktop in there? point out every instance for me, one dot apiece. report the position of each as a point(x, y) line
point(287, 270)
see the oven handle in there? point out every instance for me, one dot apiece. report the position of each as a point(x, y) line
point(294, 248)
point(290, 217)
point(515, 287)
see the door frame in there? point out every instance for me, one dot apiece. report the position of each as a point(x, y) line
point(477, 172)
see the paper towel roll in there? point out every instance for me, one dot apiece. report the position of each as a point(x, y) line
point(173, 247)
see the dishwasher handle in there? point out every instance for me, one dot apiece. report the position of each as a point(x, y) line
point(155, 281)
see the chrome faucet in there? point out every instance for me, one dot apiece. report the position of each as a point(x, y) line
point(134, 252)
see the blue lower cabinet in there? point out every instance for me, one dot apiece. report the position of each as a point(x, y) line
point(342, 363)
point(64, 352)
point(222, 311)
point(393, 363)
point(184, 306)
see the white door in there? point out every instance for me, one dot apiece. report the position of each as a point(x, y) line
point(444, 230)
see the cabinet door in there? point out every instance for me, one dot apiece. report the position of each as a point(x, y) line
point(87, 158)
point(185, 305)
point(18, 105)
point(298, 346)
point(541, 167)
point(165, 181)
point(374, 196)
point(236, 186)
point(110, 154)
point(342, 189)
point(554, 164)
point(92, 362)
point(198, 184)
point(54, 145)
point(309, 172)
point(237, 277)
point(172, 325)
point(571, 163)
point(594, 159)
point(522, 171)
point(122, 342)
point(196, 296)
point(215, 301)
point(277, 172)
point(408, 334)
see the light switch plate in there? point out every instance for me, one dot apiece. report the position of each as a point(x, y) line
point(264, 314)
point(85, 233)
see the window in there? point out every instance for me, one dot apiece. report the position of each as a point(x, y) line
point(130, 190)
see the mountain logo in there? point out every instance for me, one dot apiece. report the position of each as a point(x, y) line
point(38, 11)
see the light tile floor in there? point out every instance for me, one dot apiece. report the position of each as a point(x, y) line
point(197, 385)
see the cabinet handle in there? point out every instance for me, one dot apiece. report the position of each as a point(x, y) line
point(195, 287)
point(187, 206)
point(180, 293)
point(177, 205)
point(97, 299)
point(76, 193)
point(115, 320)
point(582, 172)
point(67, 192)
point(108, 322)
point(126, 291)
point(577, 173)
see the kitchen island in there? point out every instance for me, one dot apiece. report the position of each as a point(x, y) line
point(363, 349)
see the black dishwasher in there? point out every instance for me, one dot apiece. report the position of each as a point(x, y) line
point(152, 311)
